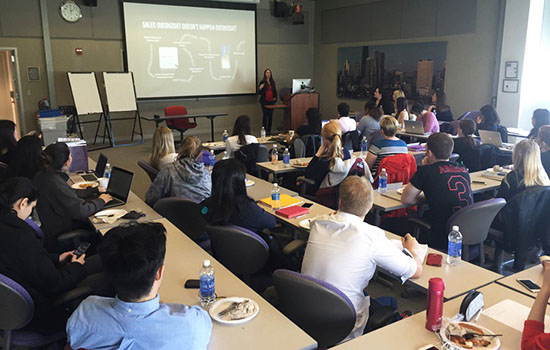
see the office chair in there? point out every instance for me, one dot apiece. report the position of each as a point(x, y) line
point(180, 124)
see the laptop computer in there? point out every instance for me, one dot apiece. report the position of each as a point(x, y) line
point(99, 169)
point(472, 115)
point(493, 138)
point(120, 183)
point(414, 127)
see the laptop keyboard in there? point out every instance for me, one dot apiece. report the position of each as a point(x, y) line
point(89, 177)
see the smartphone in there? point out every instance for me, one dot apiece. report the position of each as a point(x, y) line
point(82, 248)
point(192, 284)
point(434, 259)
point(530, 285)
point(307, 205)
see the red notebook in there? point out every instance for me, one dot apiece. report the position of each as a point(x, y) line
point(292, 212)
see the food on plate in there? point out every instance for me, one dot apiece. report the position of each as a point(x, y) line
point(467, 336)
point(86, 185)
point(300, 163)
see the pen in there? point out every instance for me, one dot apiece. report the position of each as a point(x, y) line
point(300, 216)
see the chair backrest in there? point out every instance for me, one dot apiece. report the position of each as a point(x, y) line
point(503, 133)
point(174, 111)
point(299, 148)
point(36, 228)
point(16, 305)
point(487, 156)
point(248, 155)
point(312, 142)
point(319, 308)
point(284, 94)
point(475, 220)
point(350, 140)
point(150, 170)
point(263, 154)
point(240, 250)
point(184, 214)
point(399, 167)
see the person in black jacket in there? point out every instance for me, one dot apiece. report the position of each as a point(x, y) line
point(24, 259)
point(268, 96)
point(229, 203)
point(541, 117)
point(8, 141)
point(59, 207)
point(488, 119)
point(25, 156)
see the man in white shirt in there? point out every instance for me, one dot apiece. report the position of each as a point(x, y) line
point(347, 124)
point(344, 251)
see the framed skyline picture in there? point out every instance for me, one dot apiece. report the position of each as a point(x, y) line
point(418, 68)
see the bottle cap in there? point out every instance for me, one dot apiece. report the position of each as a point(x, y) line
point(206, 263)
point(436, 283)
point(286, 148)
point(456, 228)
point(275, 185)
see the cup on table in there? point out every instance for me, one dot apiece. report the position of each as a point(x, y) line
point(291, 133)
point(103, 182)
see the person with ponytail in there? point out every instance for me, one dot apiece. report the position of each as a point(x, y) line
point(465, 143)
point(59, 207)
point(528, 170)
point(24, 259)
point(387, 146)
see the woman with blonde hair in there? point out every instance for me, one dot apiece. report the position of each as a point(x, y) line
point(164, 151)
point(332, 162)
point(187, 177)
point(528, 170)
point(388, 145)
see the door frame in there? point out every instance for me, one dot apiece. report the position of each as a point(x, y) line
point(19, 100)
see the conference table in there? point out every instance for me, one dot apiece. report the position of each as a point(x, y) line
point(210, 116)
point(503, 313)
point(534, 274)
point(220, 145)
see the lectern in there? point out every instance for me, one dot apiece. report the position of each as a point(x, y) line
point(295, 108)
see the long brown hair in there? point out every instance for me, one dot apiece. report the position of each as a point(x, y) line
point(241, 128)
point(163, 144)
point(332, 134)
point(191, 147)
point(468, 128)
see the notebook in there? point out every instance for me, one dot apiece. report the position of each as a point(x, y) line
point(285, 199)
point(292, 212)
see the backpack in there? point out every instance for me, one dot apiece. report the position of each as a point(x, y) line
point(328, 196)
point(248, 155)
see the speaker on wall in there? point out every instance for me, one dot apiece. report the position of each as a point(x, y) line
point(90, 2)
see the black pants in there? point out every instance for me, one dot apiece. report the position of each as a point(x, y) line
point(267, 117)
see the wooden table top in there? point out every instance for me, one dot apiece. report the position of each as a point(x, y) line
point(410, 333)
point(534, 274)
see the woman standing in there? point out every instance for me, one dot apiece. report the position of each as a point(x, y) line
point(268, 96)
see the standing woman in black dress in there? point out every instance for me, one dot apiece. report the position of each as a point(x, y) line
point(268, 96)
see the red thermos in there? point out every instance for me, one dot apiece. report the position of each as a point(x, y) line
point(435, 304)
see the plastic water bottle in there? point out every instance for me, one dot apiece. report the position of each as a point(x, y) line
point(275, 197)
point(455, 247)
point(383, 181)
point(225, 136)
point(107, 171)
point(207, 291)
point(286, 158)
point(364, 147)
point(262, 133)
point(274, 154)
point(212, 159)
point(225, 155)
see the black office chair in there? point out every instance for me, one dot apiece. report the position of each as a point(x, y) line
point(312, 142)
point(350, 141)
point(150, 170)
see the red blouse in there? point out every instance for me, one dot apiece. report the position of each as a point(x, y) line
point(534, 337)
point(268, 93)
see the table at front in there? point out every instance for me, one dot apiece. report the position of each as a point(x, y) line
point(410, 333)
point(220, 145)
point(210, 116)
point(269, 330)
point(534, 274)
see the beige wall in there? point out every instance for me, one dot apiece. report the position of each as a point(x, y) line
point(470, 60)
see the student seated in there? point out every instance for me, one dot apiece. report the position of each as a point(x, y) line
point(387, 146)
point(8, 140)
point(344, 251)
point(540, 118)
point(401, 111)
point(59, 207)
point(528, 170)
point(330, 156)
point(24, 259)
point(428, 119)
point(369, 124)
point(543, 140)
point(164, 151)
point(133, 256)
point(25, 156)
point(488, 119)
point(465, 143)
point(312, 127)
point(347, 124)
point(440, 108)
point(187, 177)
point(446, 187)
point(241, 135)
point(534, 337)
point(229, 203)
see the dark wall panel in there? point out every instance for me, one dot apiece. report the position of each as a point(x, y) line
point(107, 20)
point(456, 17)
point(20, 18)
point(419, 18)
point(273, 30)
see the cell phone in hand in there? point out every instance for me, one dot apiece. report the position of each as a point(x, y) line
point(192, 284)
point(434, 259)
point(82, 248)
point(530, 285)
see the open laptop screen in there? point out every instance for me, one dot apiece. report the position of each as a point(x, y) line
point(100, 166)
point(120, 183)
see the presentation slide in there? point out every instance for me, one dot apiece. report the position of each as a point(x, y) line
point(177, 51)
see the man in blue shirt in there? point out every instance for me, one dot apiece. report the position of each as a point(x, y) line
point(133, 257)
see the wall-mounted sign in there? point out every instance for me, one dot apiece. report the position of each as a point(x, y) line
point(33, 73)
point(510, 85)
point(511, 70)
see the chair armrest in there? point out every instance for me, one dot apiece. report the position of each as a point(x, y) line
point(305, 180)
point(420, 223)
point(72, 295)
point(294, 246)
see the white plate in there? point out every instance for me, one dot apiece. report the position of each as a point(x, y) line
point(114, 212)
point(299, 166)
point(495, 341)
point(305, 223)
point(222, 304)
point(77, 185)
point(249, 183)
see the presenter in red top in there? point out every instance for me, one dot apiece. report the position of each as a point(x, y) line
point(268, 96)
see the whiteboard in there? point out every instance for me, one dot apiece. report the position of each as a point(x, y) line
point(85, 93)
point(119, 89)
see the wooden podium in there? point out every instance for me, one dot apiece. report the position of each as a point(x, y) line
point(295, 108)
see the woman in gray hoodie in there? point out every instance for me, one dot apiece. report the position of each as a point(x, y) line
point(187, 177)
